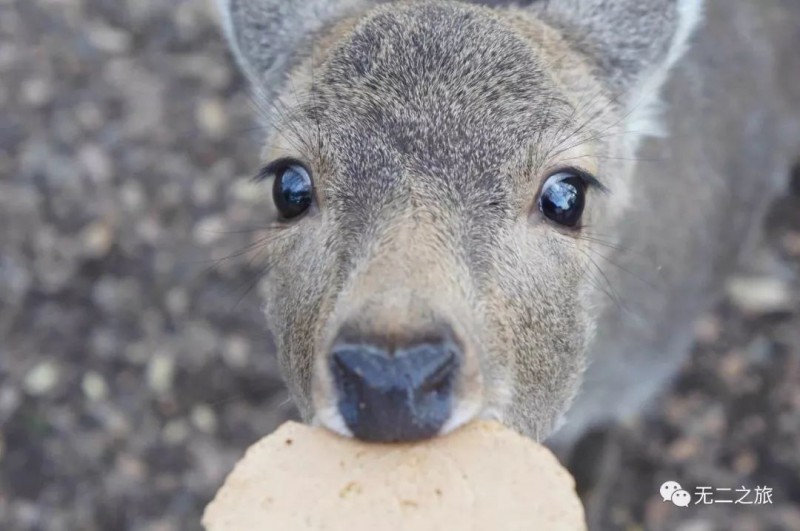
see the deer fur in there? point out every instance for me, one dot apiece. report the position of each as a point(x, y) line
point(429, 127)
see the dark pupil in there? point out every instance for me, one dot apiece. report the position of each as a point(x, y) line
point(562, 201)
point(292, 191)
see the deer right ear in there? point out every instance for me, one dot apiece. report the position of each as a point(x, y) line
point(268, 37)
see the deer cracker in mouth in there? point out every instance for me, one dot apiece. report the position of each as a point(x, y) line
point(469, 222)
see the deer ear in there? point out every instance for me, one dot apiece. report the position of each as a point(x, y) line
point(628, 38)
point(268, 37)
point(634, 43)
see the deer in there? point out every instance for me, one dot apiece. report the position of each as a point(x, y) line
point(507, 211)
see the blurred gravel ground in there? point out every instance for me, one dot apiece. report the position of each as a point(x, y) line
point(134, 369)
point(134, 364)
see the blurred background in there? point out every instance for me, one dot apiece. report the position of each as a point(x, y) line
point(134, 363)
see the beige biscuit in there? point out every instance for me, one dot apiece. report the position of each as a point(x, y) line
point(481, 477)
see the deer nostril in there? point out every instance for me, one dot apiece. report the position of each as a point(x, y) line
point(440, 379)
point(397, 395)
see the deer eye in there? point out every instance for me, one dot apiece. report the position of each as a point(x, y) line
point(292, 188)
point(563, 197)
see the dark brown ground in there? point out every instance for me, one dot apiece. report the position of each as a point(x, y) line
point(133, 373)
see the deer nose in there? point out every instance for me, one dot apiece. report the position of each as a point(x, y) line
point(395, 393)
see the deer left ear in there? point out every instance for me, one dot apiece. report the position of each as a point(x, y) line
point(634, 43)
point(629, 39)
